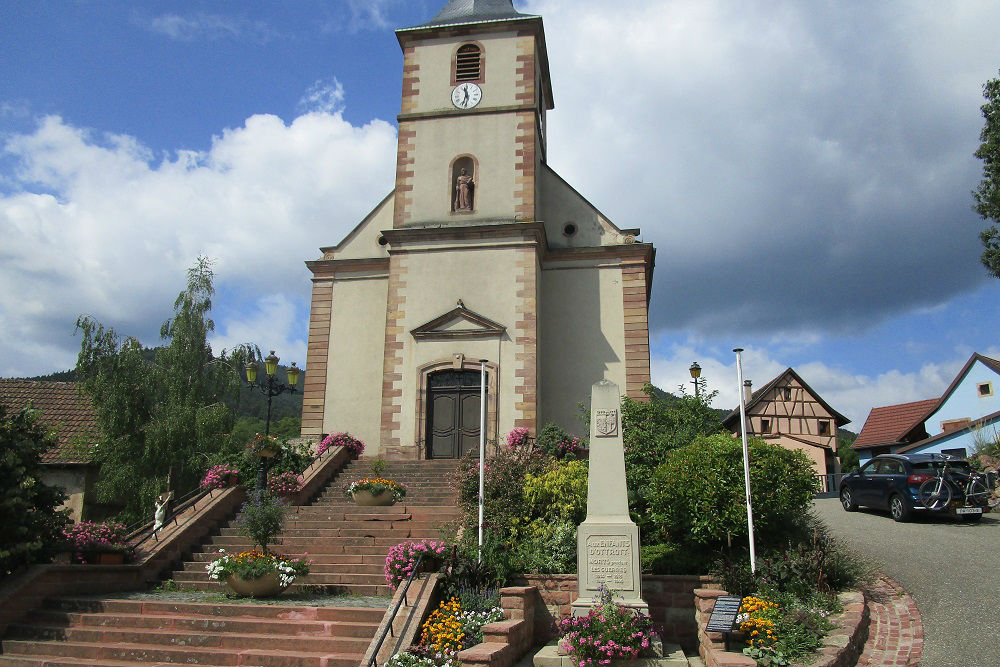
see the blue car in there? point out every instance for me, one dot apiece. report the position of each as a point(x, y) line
point(892, 481)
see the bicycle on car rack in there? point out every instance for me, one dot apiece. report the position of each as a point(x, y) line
point(975, 491)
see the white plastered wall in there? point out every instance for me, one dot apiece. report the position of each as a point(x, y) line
point(434, 58)
point(485, 281)
point(491, 140)
point(583, 319)
point(354, 372)
point(362, 242)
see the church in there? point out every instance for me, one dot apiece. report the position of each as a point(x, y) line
point(482, 256)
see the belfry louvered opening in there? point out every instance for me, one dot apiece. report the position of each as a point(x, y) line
point(468, 63)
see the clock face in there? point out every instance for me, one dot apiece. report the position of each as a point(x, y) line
point(466, 95)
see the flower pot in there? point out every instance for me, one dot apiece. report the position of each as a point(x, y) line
point(289, 496)
point(365, 498)
point(234, 480)
point(109, 558)
point(267, 453)
point(266, 586)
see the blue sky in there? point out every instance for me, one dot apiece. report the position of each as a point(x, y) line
point(803, 169)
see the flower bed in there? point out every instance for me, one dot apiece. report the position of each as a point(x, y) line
point(345, 440)
point(376, 486)
point(87, 539)
point(285, 483)
point(609, 631)
point(218, 476)
point(256, 564)
point(402, 559)
point(448, 630)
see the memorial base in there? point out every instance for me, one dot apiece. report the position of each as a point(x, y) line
point(668, 655)
point(608, 556)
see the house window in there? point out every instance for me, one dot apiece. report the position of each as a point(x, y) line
point(468, 63)
point(985, 388)
point(788, 393)
point(765, 425)
point(824, 427)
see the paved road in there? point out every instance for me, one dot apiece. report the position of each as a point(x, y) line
point(951, 568)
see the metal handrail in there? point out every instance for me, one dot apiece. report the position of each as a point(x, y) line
point(392, 618)
point(183, 504)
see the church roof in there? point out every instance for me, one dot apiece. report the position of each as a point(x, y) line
point(458, 12)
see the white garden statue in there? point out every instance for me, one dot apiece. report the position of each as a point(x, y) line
point(162, 503)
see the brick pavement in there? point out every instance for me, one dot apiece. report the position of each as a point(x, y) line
point(896, 633)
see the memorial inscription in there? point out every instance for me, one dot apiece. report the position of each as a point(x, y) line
point(723, 617)
point(609, 562)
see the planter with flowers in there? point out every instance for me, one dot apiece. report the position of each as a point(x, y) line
point(375, 491)
point(257, 574)
point(219, 477)
point(264, 446)
point(402, 559)
point(285, 485)
point(96, 543)
point(608, 633)
point(341, 440)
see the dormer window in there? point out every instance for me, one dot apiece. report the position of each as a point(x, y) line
point(469, 63)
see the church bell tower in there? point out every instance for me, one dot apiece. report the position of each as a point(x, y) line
point(481, 261)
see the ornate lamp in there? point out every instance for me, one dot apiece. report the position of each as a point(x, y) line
point(695, 374)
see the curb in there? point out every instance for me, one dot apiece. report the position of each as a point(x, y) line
point(896, 632)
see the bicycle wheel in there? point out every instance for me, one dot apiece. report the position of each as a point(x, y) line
point(934, 494)
point(977, 492)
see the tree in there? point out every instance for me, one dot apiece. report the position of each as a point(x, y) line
point(654, 428)
point(987, 195)
point(164, 417)
point(31, 524)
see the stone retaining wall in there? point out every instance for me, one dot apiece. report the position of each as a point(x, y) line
point(670, 599)
point(841, 647)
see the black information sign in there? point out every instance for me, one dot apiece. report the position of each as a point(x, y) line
point(724, 614)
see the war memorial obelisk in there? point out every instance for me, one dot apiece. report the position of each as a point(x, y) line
point(608, 540)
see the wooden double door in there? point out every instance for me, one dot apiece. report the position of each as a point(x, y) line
point(453, 413)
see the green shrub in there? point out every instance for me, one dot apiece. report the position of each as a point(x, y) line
point(261, 518)
point(547, 549)
point(557, 494)
point(676, 558)
point(556, 442)
point(697, 494)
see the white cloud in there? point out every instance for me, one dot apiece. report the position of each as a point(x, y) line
point(800, 159)
point(325, 96)
point(272, 322)
point(99, 226)
point(186, 28)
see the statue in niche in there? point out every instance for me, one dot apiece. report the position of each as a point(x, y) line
point(464, 188)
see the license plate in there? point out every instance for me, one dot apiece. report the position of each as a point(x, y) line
point(969, 510)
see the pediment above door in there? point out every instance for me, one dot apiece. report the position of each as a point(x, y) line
point(459, 322)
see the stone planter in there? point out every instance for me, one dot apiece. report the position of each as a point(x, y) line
point(266, 586)
point(267, 453)
point(233, 480)
point(366, 499)
point(108, 558)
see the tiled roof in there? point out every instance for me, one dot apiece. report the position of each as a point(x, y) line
point(760, 393)
point(889, 424)
point(63, 409)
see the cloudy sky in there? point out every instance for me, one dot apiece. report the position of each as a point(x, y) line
point(803, 168)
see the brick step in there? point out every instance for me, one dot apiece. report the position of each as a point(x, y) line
point(302, 586)
point(211, 610)
point(161, 636)
point(348, 528)
point(189, 623)
point(145, 653)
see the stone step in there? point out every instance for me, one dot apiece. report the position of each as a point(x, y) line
point(320, 566)
point(298, 545)
point(183, 577)
point(167, 636)
point(301, 586)
point(195, 623)
point(336, 558)
point(145, 653)
point(210, 610)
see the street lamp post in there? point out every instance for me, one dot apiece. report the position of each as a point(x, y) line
point(695, 374)
point(270, 389)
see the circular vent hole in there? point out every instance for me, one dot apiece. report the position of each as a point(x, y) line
point(569, 229)
point(383, 240)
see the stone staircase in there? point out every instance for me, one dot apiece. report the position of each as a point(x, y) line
point(348, 544)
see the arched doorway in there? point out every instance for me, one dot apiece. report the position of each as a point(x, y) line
point(452, 413)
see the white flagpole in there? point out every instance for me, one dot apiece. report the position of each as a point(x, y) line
point(746, 455)
point(482, 450)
